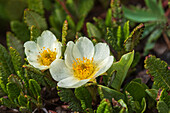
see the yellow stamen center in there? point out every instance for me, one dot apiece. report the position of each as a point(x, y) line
point(83, 69)
point(47, 57)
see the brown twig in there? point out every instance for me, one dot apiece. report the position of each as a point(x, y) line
point(166, 40)
point(65, 8)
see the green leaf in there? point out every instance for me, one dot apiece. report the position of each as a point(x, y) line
point(122, 68)
point(152, 93)
point(64, 34)
point(84, 96)
point(12, 41)
point(136, 59)
point(84, 7)
point(16, 60)
point(126, 30)
point(136, 90)
point(20, 29)
point(35, 33)
point(152, 40)
point(108, 20)
point(5, 61)
point(34, 88)
point(71, 23)
point(104, 107)
point(32, 18)
point(165, 97)
point(124, 108)
point(149, 27)
point(139, 15)
point(162, 107)
point(80, 24)
point(15, 79)
point(159, 70)
point(67, 95)
point(143, 105)
point(109, 93)
point(13, 90)
point(93, 31)
point(8, 103)
point(36, 5)
point(119, 37)
point(22, 100)
point(134, 38)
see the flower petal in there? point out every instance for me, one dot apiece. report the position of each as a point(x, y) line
point(83, 48)
point(72, 82)
point(69, 54)
point(102, 51)
point(39, 66)
point(104, 65)
point(31, 48)
point(56, 46)
point(46, 39)
point(59, 70)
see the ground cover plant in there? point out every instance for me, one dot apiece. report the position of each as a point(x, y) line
point(93, 56)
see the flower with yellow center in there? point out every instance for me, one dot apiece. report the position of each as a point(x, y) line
point(44, 52)
point(83, 62)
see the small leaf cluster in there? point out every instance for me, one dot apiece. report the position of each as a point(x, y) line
point(154, 18)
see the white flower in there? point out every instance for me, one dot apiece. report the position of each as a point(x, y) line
point(83, 62)
point(44, 52)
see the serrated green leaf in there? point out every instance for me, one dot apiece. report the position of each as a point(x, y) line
point(165, 97)
point(64, 34)
point(136, 90)
point(109, 93)
point(122, 68)
point(35, 33)
point(93, 31)
point(16, 60)
point(23, 109)
point(119, 36)
point(32, 18)
point(22, 101)
point(84, 96)
point(34, 88)
point(162, 107)
point(20, 29)
point(5, 61)
point(12, 41)
point(104, 107)
point(152, 93)
point(15, 79)
point(6, 102)
point(134, 38)
point(67, 95)
point(126, 30)
point(36, 5)
point(13, 90)
point(159, 70)
point(3, 83)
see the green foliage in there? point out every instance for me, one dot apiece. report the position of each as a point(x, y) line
point(104, 107)
point(152, 93)
point(35, 33)
point(5, 61)
point(136, 90)
point(85, 98)
point(133, 38)
point(109, 93)
point(93, 31)
point(67, 95)
point(20, 29)
point(15, 43)
point(159, 70)
point(64, 34)
point(36, 5)
point(16, 60)
point(33, 18)
point(6, 102)
point(165, 97)
point(121, 68)
point(13, 90)
point(34, 88)
point(162, 107)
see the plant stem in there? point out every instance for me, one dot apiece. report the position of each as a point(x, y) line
point(166, 40)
